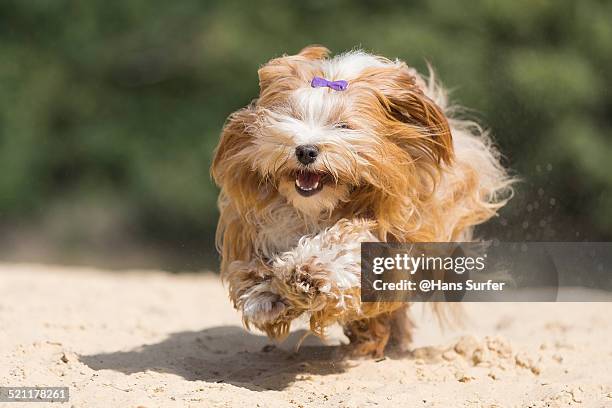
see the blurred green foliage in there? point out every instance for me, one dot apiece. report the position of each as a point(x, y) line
point(112, 109)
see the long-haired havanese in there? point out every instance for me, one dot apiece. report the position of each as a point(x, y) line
point(336, 151)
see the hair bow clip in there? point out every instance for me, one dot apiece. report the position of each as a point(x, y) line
point(318, 82)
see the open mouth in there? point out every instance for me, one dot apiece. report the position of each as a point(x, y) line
point(308, 183)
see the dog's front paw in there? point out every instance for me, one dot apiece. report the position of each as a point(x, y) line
point(267, 310)
point(260, 307)
point(305, 284)
point(316, 282)
point(311, 278)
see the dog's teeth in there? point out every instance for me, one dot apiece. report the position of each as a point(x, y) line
point(307, 188)
point(308, 183)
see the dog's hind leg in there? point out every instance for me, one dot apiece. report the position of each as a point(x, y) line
point(402, 327)
point(370, 336)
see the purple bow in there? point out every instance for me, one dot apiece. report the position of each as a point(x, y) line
point(318, 82)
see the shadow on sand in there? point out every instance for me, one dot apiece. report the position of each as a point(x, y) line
point(228, 354)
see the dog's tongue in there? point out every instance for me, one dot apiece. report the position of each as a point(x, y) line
point(308, 180)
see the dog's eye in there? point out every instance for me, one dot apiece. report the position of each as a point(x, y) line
point(342, 125)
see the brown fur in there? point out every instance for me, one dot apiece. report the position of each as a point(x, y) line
point(418, 176)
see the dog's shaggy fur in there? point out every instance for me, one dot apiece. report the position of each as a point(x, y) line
point(392, 164)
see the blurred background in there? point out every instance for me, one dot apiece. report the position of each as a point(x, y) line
point(109, 111)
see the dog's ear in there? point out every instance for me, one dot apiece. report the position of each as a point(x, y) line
point(289, 71)
point(229, 170)
point(425, 126)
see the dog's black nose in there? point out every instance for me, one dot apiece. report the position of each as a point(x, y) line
point(307, 154)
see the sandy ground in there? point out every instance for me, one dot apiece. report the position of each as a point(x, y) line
point(151, 339)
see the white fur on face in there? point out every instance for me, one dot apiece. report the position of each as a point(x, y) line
point(313, 116)
point(315, 124)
